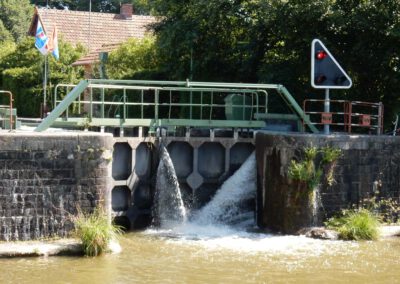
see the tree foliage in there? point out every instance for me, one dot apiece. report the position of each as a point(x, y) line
point(21, 69)
point(134, 57)
point(269, 41)
point(15, 16)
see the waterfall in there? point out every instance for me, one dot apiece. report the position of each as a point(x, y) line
point(230, 205)
point(168, 209)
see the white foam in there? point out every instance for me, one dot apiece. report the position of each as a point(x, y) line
point(169, 206)
point(226, 205)
point(217, 237)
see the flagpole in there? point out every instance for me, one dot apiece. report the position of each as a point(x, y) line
point(45, 75)
point(44, 86)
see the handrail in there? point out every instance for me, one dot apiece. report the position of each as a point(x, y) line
point(348, 113)
point(168, 100)
point(11, 106)
point(46, 123)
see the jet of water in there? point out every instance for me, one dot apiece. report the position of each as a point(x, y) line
point(230, 205)
point(168, 209)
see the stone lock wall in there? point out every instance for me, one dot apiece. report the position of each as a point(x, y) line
point(45, 178)
point(369, 166)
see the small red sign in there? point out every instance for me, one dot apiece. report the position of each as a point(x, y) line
point(326, 118)
point(365, 120)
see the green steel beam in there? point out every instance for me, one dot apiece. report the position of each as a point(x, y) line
point(48, 121)
point(117, 122)
point(297, 109)
point(186, 84)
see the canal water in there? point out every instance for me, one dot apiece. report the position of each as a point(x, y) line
point(217, 244)
point(225, 256)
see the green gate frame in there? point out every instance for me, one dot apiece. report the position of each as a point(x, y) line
point(256, 120)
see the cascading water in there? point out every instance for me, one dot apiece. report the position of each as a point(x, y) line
point(168, 209)
point(222, 224)
point(230, 204)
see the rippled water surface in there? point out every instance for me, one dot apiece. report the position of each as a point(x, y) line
point(193, 255)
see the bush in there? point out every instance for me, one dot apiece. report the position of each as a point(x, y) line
point(355, 225)
point(95, 231)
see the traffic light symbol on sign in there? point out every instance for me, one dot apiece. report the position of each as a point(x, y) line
point(326, 73)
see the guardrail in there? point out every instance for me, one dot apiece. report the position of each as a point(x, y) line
point(10, 106)
point(126, 103)
point(347, 116)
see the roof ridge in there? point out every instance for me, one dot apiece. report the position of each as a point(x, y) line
point(42, 9)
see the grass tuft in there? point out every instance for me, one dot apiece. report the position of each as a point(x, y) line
point(356, 225)
point(95, 232)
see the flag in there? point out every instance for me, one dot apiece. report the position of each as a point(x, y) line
point(55, 51)
point(41, 41)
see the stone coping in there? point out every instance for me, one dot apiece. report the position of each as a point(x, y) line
point(65, 247)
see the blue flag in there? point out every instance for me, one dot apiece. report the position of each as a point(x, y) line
point(41, 41)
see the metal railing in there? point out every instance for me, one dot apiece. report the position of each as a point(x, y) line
point(126, 103)
point(9, 106)
point(347, 116)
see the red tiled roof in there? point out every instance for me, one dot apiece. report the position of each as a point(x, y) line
point(93, 30)
point(93, 56)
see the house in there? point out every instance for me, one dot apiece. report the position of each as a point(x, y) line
point(97, 32)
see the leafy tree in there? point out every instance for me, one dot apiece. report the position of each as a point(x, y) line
point(210, 37)
point(15, 16)
point(5, 35)
point(269, 41)
point(21, 69)
point(136, 56)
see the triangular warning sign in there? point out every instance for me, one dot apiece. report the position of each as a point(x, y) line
point(326, 73)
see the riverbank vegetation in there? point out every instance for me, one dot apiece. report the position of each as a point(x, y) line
point(360, 224)
point(95, 231)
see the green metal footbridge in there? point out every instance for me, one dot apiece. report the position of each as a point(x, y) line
point(170, 104)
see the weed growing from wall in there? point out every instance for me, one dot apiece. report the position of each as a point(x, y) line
point(310, 171)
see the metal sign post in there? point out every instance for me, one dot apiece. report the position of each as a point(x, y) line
point(326, 73)
point(327, 109)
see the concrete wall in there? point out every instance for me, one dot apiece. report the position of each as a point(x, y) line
point(44, 178)
point(369, 165)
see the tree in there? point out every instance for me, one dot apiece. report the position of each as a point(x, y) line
point(136, 56)
point(15, 16)
point(5, 34)
point(207, 40)
point(269, 41)
point(21, 69)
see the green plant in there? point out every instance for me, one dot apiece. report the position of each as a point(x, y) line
point(306, 170)
point(387, 209)
point(95, 231)
point(359, 224)
point(330, 155)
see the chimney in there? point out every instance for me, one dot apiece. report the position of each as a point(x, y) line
point(126, 11)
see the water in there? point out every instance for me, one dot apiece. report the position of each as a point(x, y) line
point(230, 205)
point(150, 257)
point(168, 208)
point(214, 246)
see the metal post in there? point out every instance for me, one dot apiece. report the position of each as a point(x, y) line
point(327, 106)
point(44, 87)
